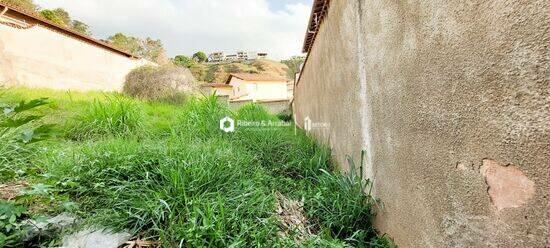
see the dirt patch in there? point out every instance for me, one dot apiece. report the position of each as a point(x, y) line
point(140, 243)
point(292, 219)
point(11, 190)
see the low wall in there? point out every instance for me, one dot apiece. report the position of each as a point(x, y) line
point(273, 107)
point(451, 102)
point(43, 58)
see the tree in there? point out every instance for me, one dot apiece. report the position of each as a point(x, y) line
point(154, 50)
point(23, 4)
point(182, 60)
point(294, 65)
point(63, 15)
point(148, 48)
point(52, 16)
point(127, 43)
point(81, 27)
point(200, 57)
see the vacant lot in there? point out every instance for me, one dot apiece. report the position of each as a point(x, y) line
point(167, 174)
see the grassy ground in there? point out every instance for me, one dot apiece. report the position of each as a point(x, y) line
point(168, 173)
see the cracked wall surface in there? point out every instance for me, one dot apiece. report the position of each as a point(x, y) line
point(453, 108)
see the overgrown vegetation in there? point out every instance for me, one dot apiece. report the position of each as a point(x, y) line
point(220, 72)
point(114, 117)
point(19, 130)
point(160, 83)
point(186, 183)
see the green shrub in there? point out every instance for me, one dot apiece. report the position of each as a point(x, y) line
point(286, 115)
point(160, 83)
point(182, 60)
point(18, 131)
point(114, 117)
point(200, 57)
point(12, 229)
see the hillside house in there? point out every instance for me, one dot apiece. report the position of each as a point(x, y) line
point(251, 87)
point(271, 92)
point(258, 87)
point(217, 57)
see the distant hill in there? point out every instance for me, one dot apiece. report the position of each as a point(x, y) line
point(218, 73)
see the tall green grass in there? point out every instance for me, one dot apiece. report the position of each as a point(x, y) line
point(189, 184)
point(113, 117)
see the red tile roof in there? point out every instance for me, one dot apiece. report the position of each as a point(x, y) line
point(65, 30)
point(256, 77)
point(318, 13)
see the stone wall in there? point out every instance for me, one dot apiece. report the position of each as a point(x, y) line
point(451, 102)
point(42, 57)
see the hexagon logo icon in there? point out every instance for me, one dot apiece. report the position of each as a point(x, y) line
point(307, 124)
point(227, 125)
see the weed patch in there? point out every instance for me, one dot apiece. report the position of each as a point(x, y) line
point(114, 117)
point(170, 175)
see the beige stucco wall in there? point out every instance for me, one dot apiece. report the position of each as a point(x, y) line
point(451, 101)
point(258, 90)
point(328, 90)
point(42, 58)
point(219, 91)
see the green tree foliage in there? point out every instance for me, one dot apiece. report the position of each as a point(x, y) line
point(200, 57)
point(182, 60)
point(23, 4)
point(63, 16)
point(126, 43)
point(81, 27)
point(294, 65)
point(52, 16)
point(148, 48)
point(154, 50)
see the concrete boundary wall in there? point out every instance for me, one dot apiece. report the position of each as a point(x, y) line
point(451, 101)
point(39, 56)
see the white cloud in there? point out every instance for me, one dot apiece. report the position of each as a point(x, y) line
point(186, 26)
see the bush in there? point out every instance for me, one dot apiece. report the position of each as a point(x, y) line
point(286, 115)
point(182, 60)
point(164, 83)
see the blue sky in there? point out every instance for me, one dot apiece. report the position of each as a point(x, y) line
point(186, 26)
